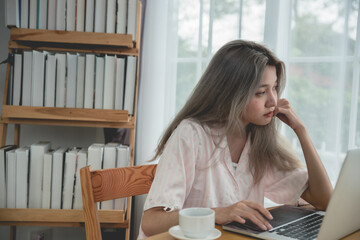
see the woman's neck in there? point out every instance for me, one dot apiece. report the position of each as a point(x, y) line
point(236, 144)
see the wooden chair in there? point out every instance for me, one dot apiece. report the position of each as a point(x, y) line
point(108, 184)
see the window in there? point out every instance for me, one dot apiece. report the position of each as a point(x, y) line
point(318, 41)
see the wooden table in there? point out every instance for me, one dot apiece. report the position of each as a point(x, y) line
point(233, 236)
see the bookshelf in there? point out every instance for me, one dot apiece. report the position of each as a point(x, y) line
point(79, 42)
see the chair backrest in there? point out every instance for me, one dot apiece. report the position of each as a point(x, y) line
point(108, 184)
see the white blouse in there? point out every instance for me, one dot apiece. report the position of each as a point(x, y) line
point(196, 171)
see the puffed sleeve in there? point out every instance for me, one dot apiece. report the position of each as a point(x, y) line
point(285, 187)
point(176, 169)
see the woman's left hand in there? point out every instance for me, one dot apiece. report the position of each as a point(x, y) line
point(285, 113)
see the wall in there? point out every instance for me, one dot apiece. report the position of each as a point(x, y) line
point(59, 136)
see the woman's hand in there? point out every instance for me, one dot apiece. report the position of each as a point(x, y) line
point(244, 211)
point(285, 113)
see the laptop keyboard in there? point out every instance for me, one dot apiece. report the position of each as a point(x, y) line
point(303, 229)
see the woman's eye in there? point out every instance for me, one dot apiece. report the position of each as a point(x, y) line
point(260, 93)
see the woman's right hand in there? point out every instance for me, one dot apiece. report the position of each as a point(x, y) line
point(244, 211)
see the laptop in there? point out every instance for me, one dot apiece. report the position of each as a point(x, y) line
point(341, 218)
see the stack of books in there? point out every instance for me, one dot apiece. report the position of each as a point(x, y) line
point(71, 80)
point(110, 16)
point(37, 176)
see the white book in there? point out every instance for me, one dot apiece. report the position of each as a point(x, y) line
point(109, 82)
point(89, 81)
point(46, 183)
point(121, 16)
point(37, 151)
point(51, 23)
point(80, 15)
point(80, 81)
point(57, 177)
point(50, 80)
point(89, 16)
point(111, 16)
point(123, 160)
point(130, 84)
point(100, 16)
point(60, 15)
point(12, 14)
point(60, 79)
point(42, 14)
point(27, 74)
point(81, 162)
point(119, 84)
point(69, 178)
point(32, 14)
point(71, 80)
point(3, 151)
point(17, 79)
point(70, 15)
point(10, 179)
point(99, 82)
point(132, 18)
point(96, 155)
point(24, 14)
point(110, 156)
point(38, 79)
point(22, 169)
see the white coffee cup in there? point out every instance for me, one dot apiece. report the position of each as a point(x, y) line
point(197, 222)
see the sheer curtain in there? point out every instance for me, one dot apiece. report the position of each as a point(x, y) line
point(318, 40)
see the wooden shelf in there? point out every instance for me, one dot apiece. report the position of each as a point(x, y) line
point(66, 41)
point(57, 217)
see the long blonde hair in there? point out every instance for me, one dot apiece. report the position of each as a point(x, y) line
point(220, 97)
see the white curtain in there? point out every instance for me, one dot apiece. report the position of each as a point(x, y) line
point(318, 40)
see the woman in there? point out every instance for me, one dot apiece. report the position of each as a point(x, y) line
point(223, 149)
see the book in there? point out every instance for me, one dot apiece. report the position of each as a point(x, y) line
point(17, 79)
point(38, 78)
point(111, 16)
point(60, 79)
point(121, 18)
point(132, 18)
point(89, 16)
point(99, 82)
point(42, 14)
point(100, 16)
point(22, 174)
point(89, 83)
point(46, 181)
point(12, 13)
point(51, 23)
point(129, 97)
point(80, 15)
point(27, 74)
point(37, 151)
point(109, 82)
point(57, 177)
point(80, 81)
point(3, 151)
point(32, 14)
point(10, 85)
point(119, 84)
point(10, 179)
point(96, 155)
point(71, 80)
point(24, 14)
point(50, 80)
point(81, 162)
point(70, 15)
point(69, 178)
point(122, 160)
point(60, 23)
point(110, 156)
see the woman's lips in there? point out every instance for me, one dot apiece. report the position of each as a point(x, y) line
point(269, 114)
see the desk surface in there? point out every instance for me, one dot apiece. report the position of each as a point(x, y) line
point(233, 236)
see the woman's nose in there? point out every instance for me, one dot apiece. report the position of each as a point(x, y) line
point(272, 100)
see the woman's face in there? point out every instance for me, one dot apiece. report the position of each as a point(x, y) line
point(261, 107)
